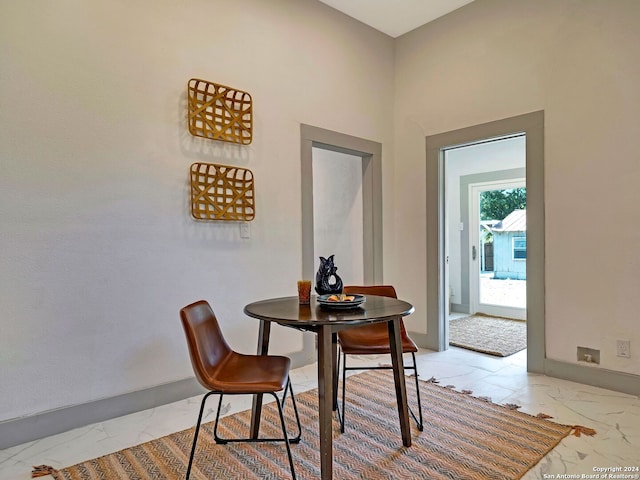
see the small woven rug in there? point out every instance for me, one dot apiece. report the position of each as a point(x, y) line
point(493, 335)
point(464, 438)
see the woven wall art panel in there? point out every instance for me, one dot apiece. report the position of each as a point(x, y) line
point(222, 192)
point(218, 112)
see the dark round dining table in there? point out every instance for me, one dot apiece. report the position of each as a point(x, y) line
point(326, 321)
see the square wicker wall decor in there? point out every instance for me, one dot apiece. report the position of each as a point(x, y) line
point(222, 192)
point(218, 112)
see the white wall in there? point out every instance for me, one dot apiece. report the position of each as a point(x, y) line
point(578, 60)
point(97, 248)
point(337, 213)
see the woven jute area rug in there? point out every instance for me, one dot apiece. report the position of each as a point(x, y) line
point(464, 438)
point(493, 335)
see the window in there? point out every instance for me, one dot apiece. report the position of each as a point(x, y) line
point(519, 248)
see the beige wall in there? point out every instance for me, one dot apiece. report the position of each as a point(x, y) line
point(97, 249)
point(579, 61)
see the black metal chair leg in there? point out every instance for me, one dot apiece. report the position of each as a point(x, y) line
point(297, 438)
point(220, 441)
point(285, 436)
point(195, 435)
point(341, 414)
point(415, 372)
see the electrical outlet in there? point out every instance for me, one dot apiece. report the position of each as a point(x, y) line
point(624, 348)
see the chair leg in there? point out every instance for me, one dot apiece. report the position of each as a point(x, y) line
point(195, 435)
point(341, 414)
point(285, 436)
point(297, 438)
point(220, 441)
point(415, 373)
point(414, 367)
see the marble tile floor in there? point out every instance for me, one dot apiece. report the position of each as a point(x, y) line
point(615, 417)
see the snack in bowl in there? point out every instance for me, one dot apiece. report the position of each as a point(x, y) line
point(341, 298)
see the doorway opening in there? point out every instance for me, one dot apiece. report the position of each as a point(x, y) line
point(498, 237)
point(485, 189)
point(498, 228)
point(362, 161)
point(531, 127)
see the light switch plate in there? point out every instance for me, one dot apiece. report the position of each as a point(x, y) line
point(245, 230)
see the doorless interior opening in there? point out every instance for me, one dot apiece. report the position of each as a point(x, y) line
point(337, 212)
point(484, 184)
point(371, 155)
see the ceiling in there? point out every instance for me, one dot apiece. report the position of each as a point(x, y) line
point(395, 17)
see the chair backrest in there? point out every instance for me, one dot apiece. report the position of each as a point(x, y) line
point(380, 290)
point(207, 346)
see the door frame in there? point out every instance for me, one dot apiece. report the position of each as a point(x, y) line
point(371, 154)
point(531, 124)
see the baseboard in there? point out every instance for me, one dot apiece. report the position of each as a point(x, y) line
point(25, 429)
point(594, 376)
point(423, 340)
point(460, 308)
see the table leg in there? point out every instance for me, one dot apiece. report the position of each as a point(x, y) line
point(398, 375)
point(263, 349)
point(325, 400)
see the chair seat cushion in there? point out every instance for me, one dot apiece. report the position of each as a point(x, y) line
point(250, 374)
point(371, 339)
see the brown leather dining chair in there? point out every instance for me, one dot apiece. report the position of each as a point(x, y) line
point(222, 371)
point(373, 340)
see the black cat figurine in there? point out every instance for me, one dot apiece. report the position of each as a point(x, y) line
point(323, 277)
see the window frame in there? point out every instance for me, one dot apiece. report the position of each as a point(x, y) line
point(514, 249)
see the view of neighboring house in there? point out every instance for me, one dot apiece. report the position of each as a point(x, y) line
point(510, 246)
